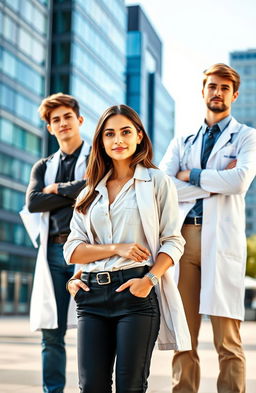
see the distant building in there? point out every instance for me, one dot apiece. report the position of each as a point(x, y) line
point(23, 54)
point(244, 110)
point(145, 92)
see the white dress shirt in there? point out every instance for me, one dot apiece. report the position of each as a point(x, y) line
point(119, 222)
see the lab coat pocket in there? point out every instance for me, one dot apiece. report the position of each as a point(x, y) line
point(232, 273)
point(226, 155)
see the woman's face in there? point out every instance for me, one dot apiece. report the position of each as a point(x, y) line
point(120, 138)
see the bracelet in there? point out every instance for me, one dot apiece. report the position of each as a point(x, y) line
point(152, 278)
point(71, 279)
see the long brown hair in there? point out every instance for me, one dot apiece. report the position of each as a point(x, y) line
point(100, 163)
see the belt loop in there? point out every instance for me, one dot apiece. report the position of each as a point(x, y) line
point(121, 276)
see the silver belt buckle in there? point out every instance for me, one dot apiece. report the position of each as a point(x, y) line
point(103, 278)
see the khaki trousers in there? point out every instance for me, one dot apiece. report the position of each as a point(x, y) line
point(227, 340)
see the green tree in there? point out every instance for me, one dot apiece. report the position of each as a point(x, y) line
point(251, 256)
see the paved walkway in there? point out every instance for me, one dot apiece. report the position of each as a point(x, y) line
point(20, 368)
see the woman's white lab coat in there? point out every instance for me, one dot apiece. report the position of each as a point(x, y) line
point(158, 207)
point(43, 309)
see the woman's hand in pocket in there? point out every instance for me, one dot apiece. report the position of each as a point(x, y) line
point(139, 287)
point(74, 285)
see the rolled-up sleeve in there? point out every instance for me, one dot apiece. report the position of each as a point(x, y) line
point(77, 235)
point(194, 177)
point(171, 241)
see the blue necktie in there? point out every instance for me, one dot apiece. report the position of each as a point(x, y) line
point(209, 143)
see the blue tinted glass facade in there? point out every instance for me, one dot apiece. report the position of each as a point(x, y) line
point(163, 120)
point(23, 57)
point(82, 53)
point(98, 58)
point(244, 110)
point(145, 92)
point(134, 66)
point(91, 59)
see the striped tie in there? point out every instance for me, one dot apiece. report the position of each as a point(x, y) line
point(209, 143)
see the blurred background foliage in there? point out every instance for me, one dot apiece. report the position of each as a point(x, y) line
point(251, 256)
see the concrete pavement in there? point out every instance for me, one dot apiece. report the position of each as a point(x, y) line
point(20, 368)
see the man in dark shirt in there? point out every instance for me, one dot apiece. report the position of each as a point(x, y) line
point(54, 184)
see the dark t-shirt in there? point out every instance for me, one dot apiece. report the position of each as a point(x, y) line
point(59, 205)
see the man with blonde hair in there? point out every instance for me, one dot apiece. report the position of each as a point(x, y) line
point(212, 170)
point(54, 185)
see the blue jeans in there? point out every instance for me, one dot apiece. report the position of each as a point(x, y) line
point(53, 344)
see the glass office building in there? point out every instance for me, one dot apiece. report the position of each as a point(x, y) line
point(79, 47)
point(89, 55)
point(76, 47)
point(161, 116)
point(23, 58)
point(244, 110)
point(145, 91)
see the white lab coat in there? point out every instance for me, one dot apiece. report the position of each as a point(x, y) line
point(43, 309)
point(223, 242)
point(157, 203)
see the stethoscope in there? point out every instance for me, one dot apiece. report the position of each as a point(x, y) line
point(189, 143)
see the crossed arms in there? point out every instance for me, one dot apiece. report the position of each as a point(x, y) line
point(235, 178)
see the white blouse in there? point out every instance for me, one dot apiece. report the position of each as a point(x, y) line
point(119, 222)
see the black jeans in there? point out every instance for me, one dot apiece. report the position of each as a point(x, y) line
point(115, 325)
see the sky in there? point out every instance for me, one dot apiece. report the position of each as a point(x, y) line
point(196, 34)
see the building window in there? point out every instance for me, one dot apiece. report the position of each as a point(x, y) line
point(91, 38)
point(10, 29)
point(134, 43)
point(16, 136)
point(15, 169)
point(21, 72)
point(11, 200)
point(14, 234)
point(13, 4)
point(18, 104)
point(61, 53)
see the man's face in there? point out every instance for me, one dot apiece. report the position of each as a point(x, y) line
point(218, 94)
point(64, 124)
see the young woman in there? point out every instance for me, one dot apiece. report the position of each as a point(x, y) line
point(125, 235)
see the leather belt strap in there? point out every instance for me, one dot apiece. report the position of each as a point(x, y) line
point(104, 278)
point(58, 239)
point(193, 220)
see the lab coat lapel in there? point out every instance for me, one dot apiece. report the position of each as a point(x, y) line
point(224, 138)
point(51, 169)
point(195, 152)
point(81, 161)
point(145, 195)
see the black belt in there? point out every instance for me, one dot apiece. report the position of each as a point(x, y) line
point(58, 239)
point(193, 220)
point(104, 278)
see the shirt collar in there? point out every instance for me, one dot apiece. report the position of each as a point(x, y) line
point(140, 173)
point(75, 154)
point(222, 124)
